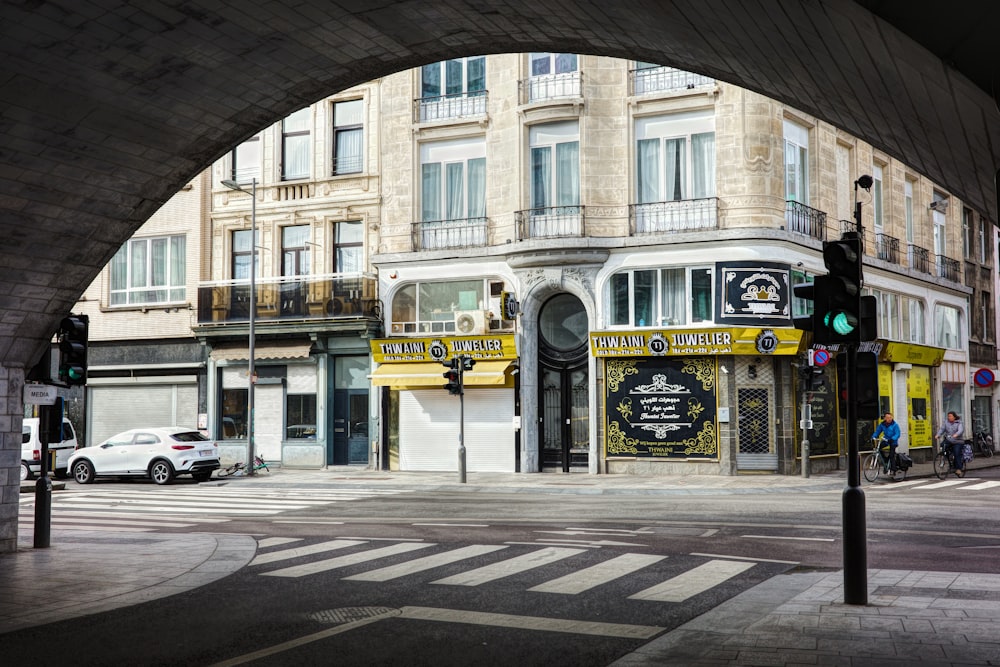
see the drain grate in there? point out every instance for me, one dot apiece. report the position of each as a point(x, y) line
point(349, 614)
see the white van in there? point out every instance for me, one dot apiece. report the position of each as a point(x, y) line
point(31, 449)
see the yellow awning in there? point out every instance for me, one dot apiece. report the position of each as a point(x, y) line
point(414, 375)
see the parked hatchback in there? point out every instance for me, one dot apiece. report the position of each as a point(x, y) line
point(31, 449)
point(157, 453)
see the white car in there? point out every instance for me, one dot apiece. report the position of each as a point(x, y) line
point(158, 453)
point(31, 449)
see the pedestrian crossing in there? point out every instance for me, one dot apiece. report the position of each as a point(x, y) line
point(144, 510)
point(508, 562)
point(953, 484)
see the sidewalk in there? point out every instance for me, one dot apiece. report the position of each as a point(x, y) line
point(935, 618)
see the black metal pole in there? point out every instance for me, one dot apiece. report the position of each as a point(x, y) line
point(43, 487)
point(855, 532)
point(461, 419)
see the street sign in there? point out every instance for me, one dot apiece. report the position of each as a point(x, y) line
point(39, 394)
point(983, 377)
point(821, 357)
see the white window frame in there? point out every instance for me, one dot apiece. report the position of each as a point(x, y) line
point(908, 209)
point(174, 286)
point(912, 310)
point(948, 327)
point(681, 127)
point(658, 316)
point(303, 116)
point(796, 162)
point(352, 124)
point(253, 148)
point(940, 232)
point(550, 136)
point(877, 198)
point(450, 154)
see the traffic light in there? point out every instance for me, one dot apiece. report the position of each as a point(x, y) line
point(867, 400)
point(72, 334)
point(869, 318)
point(842, 315)
point(454, 377)
point(467, 364)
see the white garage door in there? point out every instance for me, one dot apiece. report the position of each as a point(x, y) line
point(428, 430)
point(114, 409)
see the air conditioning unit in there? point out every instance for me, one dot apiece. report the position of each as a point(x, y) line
point(470, 322)
point(940, 205)
point(341, 305)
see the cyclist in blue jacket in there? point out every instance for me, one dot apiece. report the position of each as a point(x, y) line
point(890, 430)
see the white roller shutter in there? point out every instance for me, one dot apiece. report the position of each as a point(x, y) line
point(114, 409)
point(269, 415)
point(428, 430)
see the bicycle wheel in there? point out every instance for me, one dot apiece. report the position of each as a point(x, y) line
point(871, 467)
point(986, 446)
point(231, 470)
point(942, 466)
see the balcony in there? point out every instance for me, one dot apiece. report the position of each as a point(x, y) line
point(441, 234)
point(555, 221)
point(801, 219)
point(550, 87)
point(918, 258)
point(674, 216)
point(665, 79)
point(331, 296)
point(887, 248)
point(947, 267)
point(450, 107)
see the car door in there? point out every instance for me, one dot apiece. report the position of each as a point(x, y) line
point(111, 456)
point(145, 445)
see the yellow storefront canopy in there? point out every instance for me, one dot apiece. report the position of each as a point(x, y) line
point(416, 375)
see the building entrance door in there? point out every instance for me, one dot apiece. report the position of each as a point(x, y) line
point(347, 441)
point(563, 396)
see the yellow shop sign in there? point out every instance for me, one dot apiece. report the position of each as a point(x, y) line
point(441, 348)
point(686, 342)
point(921, 355)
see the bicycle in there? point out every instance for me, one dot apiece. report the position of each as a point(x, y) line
point(944, 461)
point(983, 443)
point(239, 469)
point(877, 463)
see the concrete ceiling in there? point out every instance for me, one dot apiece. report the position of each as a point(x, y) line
point(108, 107)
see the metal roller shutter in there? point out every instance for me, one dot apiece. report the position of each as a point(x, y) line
point(114, 409)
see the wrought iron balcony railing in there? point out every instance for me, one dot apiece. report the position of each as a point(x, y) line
point(438, 234)
point(554, 221)
point(805, 220)
point(887, 248)
point(550, 86)
point(336, 295)
point(947, 268)
point(674, 216)
point(918, 258)
point(446, 107)
point(661, 79)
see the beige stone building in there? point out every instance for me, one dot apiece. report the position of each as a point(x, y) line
point(613, 243)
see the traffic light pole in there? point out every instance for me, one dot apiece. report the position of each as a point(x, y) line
point(855, 531)
point(461, 420)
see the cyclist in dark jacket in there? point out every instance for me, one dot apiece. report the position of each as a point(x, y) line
point(890, 430)
point(953, 433)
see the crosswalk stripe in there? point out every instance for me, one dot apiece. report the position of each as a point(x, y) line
point(344, 561)
point(157, 500)
point(693, 582)
point(980, 486)
point(94, 526)
point(509, 567)
point(602, 573)
point(533, 623)
point(57, 520)
point(166, 509)
point(941, 485)
point(308, 550)
point(425, 563)
point(275, 541)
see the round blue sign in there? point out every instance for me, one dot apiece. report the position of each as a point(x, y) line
point(983, 377)
point(821, 357)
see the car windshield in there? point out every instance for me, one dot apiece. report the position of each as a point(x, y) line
point(188, 436)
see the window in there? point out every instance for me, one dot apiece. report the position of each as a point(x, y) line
point(912, 326)
point(940, 244)
point(877, 197)
point(430, 307)
point(242, 247)
point(246, 161)
point(300, 416)
point(888, 315)
point(801, 307)
point(348, 137)
point(552, 63)
point(348, 247)
point(796, 162)
point(908, 209)
point(675, 157)
point(147, 271)
point(295, 145)
point(968, 229)
point(984, 243)
point(452, 78)
point(553, 75)
point(294, 251)
point(984, 317)
point(555, 165)
point(453, 179)
point(946, 319)
point(234, 414)
point(660, 297)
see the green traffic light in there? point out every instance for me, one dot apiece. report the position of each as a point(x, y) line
point(841, 322)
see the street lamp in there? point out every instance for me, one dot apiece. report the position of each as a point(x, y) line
point(233, 185)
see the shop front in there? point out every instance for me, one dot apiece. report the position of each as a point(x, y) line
point(423, 421)
point(906, 390)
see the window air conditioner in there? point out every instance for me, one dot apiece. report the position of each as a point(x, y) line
point(470, 322)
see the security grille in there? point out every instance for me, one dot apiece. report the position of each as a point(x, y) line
point(753, 429)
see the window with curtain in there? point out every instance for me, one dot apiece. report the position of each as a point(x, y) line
point(912, 324)
point(796, 162)
point(348, 137)
point(246, 161)
point(294, 251)
point(674, 296)
point(555, 165)
point(939, 219)
point(947, 327)
point(147, 271)
point(675, 157)
point(349, 247)
point(242, 247)
point(453, 180)
point(877, 197)
point(295, 145)
point(461, 76)
point(552, 63)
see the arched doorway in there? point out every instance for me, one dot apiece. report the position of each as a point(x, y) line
point(564, 428)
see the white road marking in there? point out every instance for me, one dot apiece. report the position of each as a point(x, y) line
point(297, 552)
point(175, 510)
point(509, 567)
point(425, 563)
point(275, 541)
point(787, 537)
point(693, 582)
point(940, 485)
point(62, 512)
point(595, 575)
point(532, 623)
point(57, 520)
point(344, 561)
point(129, 500)
point(980, 486)
point(455, 525)
point(756, 560)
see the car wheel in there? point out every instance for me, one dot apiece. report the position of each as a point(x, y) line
point(202, 476)
point(83, 472)
point(61, 473)
point(161, 471)
point(25, 471)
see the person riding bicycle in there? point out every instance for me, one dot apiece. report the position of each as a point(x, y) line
point(888, 429)
point(952, 431)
